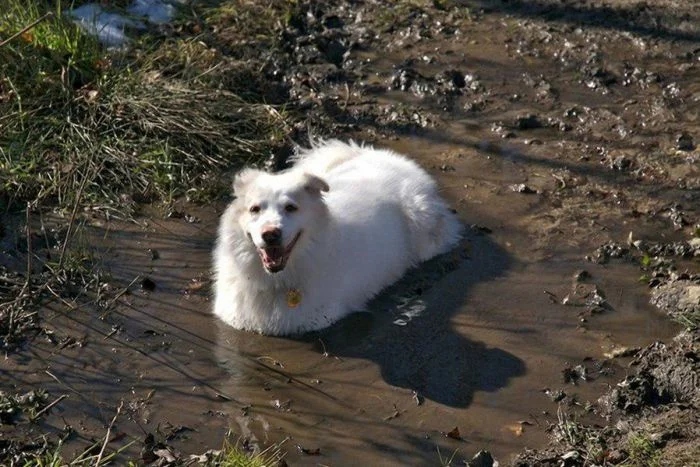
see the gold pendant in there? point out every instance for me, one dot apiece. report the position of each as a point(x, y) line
point(293, 298)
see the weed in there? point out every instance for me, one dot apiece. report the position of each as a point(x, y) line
point(446, 461)
point(16, 406)
point(575, 436)
point(689, 319)
point(163, 120)
point(642, 452)
point(233, 455)
point(17, 318)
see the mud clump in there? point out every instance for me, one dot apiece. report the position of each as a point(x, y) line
point(685, 142)
point(654, 413)
point(680, 299)
point(666, 374)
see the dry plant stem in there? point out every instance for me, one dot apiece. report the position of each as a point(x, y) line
point(26, 28)
point(78, 195)
point(58, 296)
point(29, 253)
point(109, 430)
point(118, 296)
point(55, 378)
point(48, 407)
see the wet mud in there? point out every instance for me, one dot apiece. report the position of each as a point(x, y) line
point(445, 348)
point(561, 132)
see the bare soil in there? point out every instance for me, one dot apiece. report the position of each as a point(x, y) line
point(564, 134)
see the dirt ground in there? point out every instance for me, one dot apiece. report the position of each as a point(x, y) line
point(565, 135)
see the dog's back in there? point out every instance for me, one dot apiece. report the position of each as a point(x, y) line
point(361, 176)
point(323, 158)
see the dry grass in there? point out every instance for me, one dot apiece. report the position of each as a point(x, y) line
point(162, 120)
point(82, 128)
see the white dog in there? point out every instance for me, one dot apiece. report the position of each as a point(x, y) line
point(300, 249)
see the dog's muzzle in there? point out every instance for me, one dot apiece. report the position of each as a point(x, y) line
point(274, 255)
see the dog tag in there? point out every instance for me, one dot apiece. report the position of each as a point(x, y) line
point(293, 298)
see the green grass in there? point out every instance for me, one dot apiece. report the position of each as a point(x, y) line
point(690, 320)
point(575, 436)
point(642, 452)
point(231, 455)
point(49, 454)
point(162, 120)
point(83, 127)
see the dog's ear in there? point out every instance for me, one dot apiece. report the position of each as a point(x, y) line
point(314, 184)
point(243, 178)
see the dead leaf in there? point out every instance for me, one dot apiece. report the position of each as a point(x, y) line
point(620, 352)
point(454, 434)
point(516, 428)
point(165, 454)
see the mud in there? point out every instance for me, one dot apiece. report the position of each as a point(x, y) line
point(563, 133)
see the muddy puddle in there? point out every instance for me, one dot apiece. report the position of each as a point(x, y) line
point(477, 340)
point(546, 141)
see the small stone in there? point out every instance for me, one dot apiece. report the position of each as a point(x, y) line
point(522, 188)
point(582, 275)
point(528, 122)
point(621, 163)
point(154, 254)
point(482, 458)
point(148, 285)
point(685, 142)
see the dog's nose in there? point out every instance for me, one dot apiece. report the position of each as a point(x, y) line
point(272, 235)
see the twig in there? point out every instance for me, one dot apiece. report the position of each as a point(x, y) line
point(26, 28)
point(78, 195)
point(109, 429)
point(61, 299)
point(29, 254)
point(325, 352)
point(111, 333)
point(48, 407)
point(270, 359)
point(55, 378)
point(118, 296)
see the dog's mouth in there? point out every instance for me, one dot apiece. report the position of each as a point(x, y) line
point(274, 258)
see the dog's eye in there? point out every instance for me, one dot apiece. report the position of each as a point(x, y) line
point(254, 209)
point(291, 208)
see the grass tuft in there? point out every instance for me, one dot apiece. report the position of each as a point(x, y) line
point(586, 442)
point(232, 455)
point(163, 120)
point(688, 319)
point(642, 452)
point(84, 128)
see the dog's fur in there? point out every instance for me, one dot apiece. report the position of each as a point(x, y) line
point(352, 220)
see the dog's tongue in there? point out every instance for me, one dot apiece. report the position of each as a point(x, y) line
point(272, 256)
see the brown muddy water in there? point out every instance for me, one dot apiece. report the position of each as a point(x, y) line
point(473, 341)
point(565, 136)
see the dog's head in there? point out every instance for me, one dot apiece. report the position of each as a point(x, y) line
point(276, 210)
